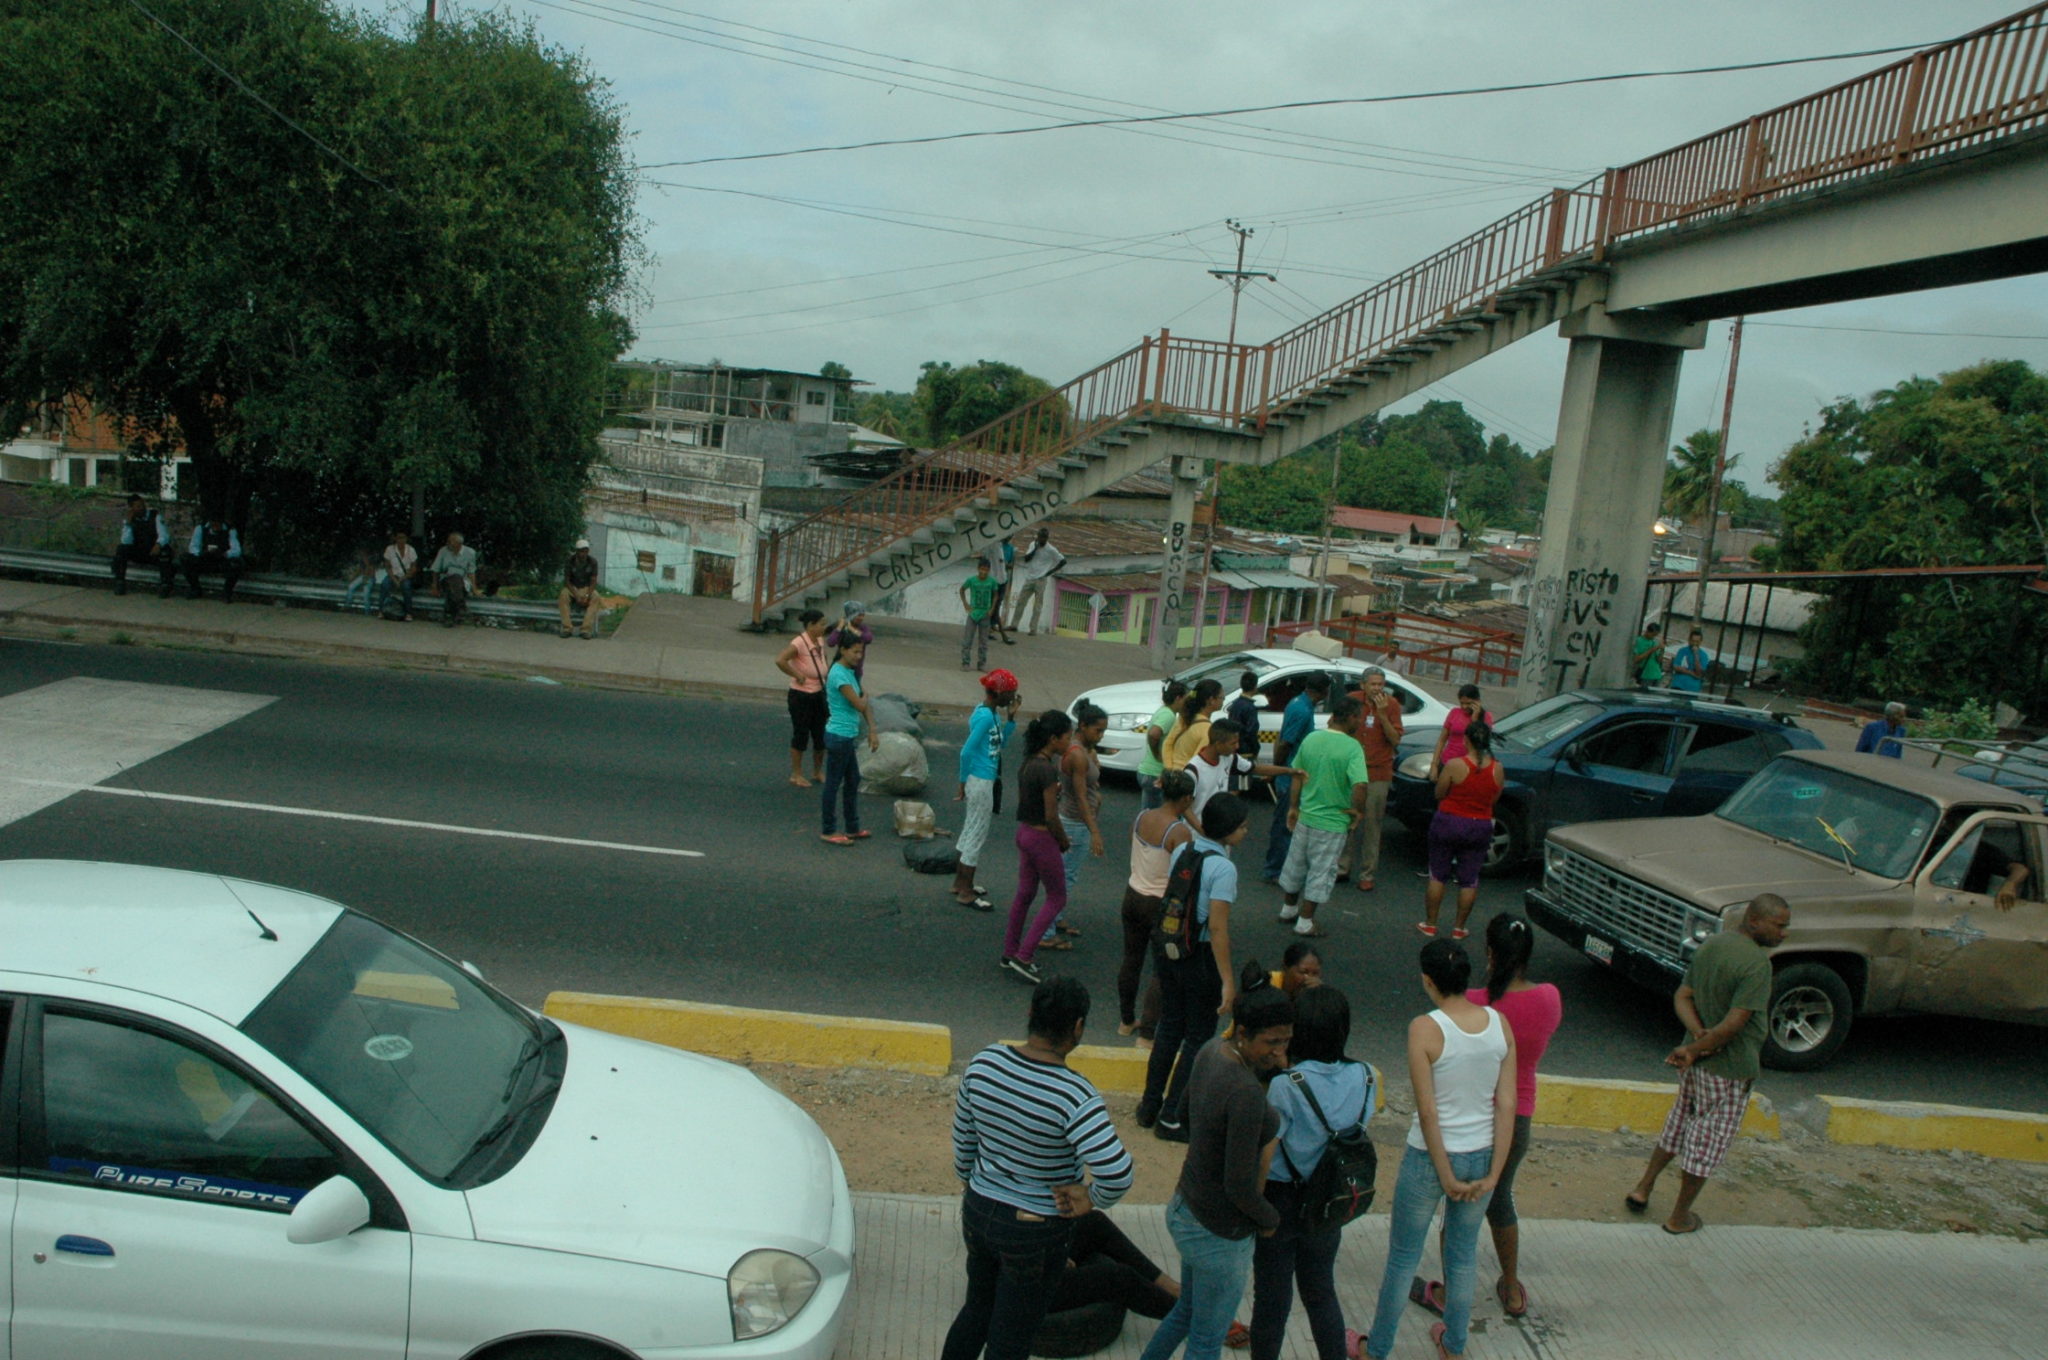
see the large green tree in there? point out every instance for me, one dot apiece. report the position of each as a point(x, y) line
point(349, 269)
point(956, 401)
point(1932, 473)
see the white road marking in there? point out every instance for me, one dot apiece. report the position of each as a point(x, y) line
point(284, 811)
point(74, 733)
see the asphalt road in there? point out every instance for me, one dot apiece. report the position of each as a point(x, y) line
point(769, 915)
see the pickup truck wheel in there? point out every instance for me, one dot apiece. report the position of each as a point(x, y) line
point(1509, 844)
point(1810, 1014)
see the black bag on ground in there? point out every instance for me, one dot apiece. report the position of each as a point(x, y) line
point(1175, 933)
point(1341, 1186)
point(393, 608)
point(935, 856)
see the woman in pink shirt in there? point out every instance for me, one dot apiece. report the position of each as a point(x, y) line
point(1450, 742)
point(1532, 1011)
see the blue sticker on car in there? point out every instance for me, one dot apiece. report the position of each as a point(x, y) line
point(219, 1189)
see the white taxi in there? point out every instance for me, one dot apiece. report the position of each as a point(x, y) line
point(247, 1122)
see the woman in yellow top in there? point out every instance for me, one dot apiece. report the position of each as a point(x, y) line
point(1191, 732)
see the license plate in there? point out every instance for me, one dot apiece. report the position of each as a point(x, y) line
point(1600, 949)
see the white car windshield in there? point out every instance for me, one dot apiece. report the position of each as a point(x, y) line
point(1226, 670)
point(416, 1050)
point(1856, 821)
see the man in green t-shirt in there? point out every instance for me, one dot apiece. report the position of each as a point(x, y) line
point(1723, 1004)
point(1328, 800)
point(1646, 657)
point(978, 598)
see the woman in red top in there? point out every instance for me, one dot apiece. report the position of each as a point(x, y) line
point(1461, 831)
point(1533, 1011)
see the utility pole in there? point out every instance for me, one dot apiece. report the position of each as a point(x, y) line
point(1236, 278)
point(1699, 602)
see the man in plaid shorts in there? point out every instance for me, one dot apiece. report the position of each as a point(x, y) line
point(1722, 1002)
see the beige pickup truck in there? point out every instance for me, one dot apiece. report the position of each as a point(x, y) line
point(1893, 872)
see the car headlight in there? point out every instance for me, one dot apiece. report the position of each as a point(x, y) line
point(1553, 857)
point(1416, 766)
point(768, 1288)
point(1129, 722)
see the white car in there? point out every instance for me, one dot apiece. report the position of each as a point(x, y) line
point(247, 1122)
point(1281, 673)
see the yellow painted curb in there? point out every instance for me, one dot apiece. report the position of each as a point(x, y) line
point(1112, 1069)
point(1580, 1103)
point(2011, 1134)
point(763, 1036)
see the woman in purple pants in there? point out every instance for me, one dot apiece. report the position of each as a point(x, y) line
point(1041, 841)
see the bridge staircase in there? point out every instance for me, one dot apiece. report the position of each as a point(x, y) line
point(1171, 396)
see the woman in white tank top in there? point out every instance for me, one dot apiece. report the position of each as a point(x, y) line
point(1155, 836)
point(1461, 1059)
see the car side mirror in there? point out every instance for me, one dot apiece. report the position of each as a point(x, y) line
point(328, 1212)
point(1575, 756)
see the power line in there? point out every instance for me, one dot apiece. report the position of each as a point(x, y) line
point(265, 104)
point(1356, 100)
point(1301, 138)
point(1891, 330)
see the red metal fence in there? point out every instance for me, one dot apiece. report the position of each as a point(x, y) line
point(1988, 84)
point(1419, 645)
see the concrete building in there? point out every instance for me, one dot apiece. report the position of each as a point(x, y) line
point(67, 441)
point(667, 518)
point(1388, 526)
point(781, 417)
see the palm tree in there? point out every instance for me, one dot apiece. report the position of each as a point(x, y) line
point(1689, 477)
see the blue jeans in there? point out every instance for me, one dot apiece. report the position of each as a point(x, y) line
point(1212, 1274)
point(1281, 1261)
point(842, 781)
point(1278, 837)
point(1013, 1266)
point(1151, 794)
point(372, 589)
point(1417, 1192)
point(1189, 993)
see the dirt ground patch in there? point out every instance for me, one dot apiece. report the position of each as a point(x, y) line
point(893, 1132)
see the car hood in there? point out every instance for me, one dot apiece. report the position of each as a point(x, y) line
point(1135, 696)
point(1712, 861)
point(664, 1158)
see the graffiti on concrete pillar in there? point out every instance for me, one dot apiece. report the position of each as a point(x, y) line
point(1569, 623)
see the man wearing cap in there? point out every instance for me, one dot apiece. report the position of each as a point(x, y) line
point(579, 587)
point(981, 773)
point(853, 623)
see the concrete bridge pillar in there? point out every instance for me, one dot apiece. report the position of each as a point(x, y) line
point(1606, 484)
point(1173, 575)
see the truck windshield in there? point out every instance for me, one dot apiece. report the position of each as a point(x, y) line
point(1838, 815)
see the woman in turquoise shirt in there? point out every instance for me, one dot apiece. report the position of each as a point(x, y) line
point(846, 715)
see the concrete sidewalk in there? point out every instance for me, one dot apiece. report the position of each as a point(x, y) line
point(676, 643)
point(1598, 1291)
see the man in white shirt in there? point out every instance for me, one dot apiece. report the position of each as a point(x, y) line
point(1038, 566)
point(401, 568)
point(1215, 763)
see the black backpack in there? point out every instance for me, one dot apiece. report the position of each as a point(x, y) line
point(1341, 1186)
point(1175, 933)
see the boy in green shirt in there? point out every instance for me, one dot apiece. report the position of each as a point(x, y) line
point(1328, 800)
point(978, 598)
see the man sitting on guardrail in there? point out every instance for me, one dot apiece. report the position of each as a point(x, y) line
point(214, 548)
point(579, 590)
point(454, 571)
point(144, 538)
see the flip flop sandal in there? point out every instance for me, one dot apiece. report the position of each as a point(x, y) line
point(1500, 1291)
point(1071, 932)
point(1238, 1337)
point(1367, 885)
point(1425, 928)
point(1428, 1293)
point(1459, 933)
point(1436, 1338)
point(1693, 1223)
point(975, 903)
point(860, 835)
point(836, 840)
point(1055, 944)
point(1635, 1206)
point(1316, 933)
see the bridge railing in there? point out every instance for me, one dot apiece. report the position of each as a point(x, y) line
point(1986, 84)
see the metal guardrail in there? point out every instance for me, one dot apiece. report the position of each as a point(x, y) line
point(291, 589)
point(1984, 85)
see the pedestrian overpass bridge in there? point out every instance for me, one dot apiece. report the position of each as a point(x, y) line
point(1929, 172)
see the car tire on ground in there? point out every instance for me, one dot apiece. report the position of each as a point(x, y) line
point(1811, 1011)
point(1079, 1331)
point(1510, 843)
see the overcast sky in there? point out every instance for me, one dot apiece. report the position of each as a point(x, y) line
point(1055, 251)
